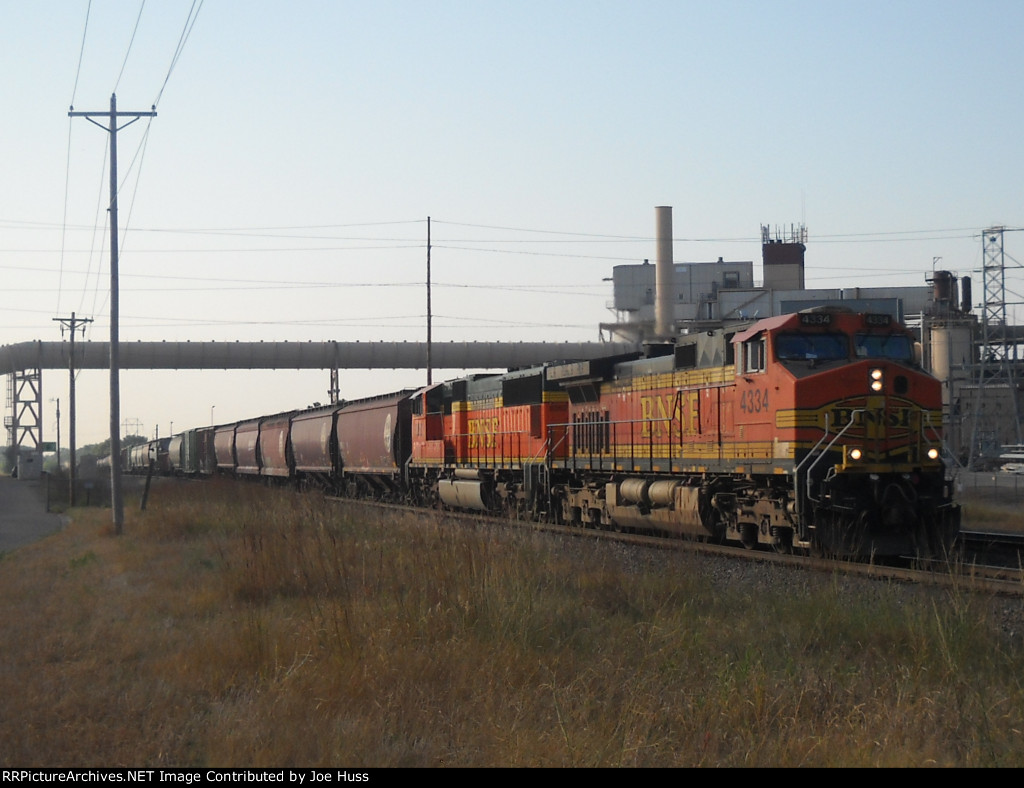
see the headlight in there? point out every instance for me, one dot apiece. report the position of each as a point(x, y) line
point(855, 454)
point(876, 380)
point(933, 454)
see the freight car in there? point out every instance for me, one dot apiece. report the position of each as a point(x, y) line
point(142, 457)
point(357, 448)
point(813, 431)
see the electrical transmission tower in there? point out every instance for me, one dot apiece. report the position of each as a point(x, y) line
point(996, 390)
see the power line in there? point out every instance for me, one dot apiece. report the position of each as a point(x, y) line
point(67, 173)
point(234, 283)
point(50, 225)
point(288, 231)
point(140, 151)
point(81, 53)
point(135, 29)
point(190, 22)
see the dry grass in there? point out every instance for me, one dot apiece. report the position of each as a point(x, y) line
point(992, 501)
point(983, 512)
point(233, 625)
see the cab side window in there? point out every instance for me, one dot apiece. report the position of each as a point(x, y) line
point(754, 355)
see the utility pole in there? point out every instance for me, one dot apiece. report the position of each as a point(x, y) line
point(58, 436)
point(72, 324)
point(116, 500)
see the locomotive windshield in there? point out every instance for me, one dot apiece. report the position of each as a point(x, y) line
point(811, 347)
point(894, 346)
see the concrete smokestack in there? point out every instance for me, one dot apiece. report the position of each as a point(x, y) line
point(664, 274)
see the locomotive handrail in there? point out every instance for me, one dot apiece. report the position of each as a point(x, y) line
point(547, 449)
point(571, 428)
point(925, 419)
point(796, 479)
point(677, 415)
point(942, 441)
point(815, 447)
point(928, 420)
point(632, 442)
point(796, 471)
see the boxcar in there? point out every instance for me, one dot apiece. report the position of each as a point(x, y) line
point(206, 451)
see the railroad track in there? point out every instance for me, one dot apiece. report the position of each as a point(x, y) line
point(1009, 543)
point(966, 570)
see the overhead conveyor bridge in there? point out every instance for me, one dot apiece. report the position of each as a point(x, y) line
point(26, 356)
point(25, 361)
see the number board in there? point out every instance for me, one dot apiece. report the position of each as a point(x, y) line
point(815, 319)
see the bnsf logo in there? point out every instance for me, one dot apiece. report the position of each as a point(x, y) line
point(894, 418)
point(659, 412)
point(482, 433)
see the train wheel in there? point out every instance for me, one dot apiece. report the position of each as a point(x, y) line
point(748, 535)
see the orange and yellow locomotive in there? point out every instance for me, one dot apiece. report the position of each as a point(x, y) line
point(816, 430)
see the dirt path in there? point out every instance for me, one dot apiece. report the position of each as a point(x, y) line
point(23, 515)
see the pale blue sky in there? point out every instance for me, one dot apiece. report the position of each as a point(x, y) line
point(307, 142)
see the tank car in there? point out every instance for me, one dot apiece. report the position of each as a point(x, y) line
point(151, 457)
point(177, 450)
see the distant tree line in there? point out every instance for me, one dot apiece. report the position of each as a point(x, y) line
point(102, 449)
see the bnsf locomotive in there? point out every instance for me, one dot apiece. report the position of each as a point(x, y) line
point(817, 431)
